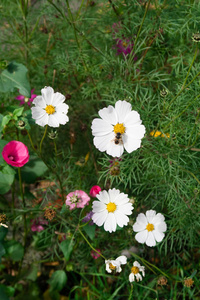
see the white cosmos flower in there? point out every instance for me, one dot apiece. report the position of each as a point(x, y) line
point(115, 265)
point(119, 127)
point(49, 108)
point(135, 272)
point(150, 228)
point(111, 209)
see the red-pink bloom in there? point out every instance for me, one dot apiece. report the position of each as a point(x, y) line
point(24, 99)
point(94, 254)
point(94, 191)
point(77, 199)
point(124, 46)
point(15, 153)
point(37, 224)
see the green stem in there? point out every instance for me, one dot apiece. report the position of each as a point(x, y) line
point(131, 293)
point(195, 54)
point(24, 206)
point(191, 134)
point(13, 207)
point(43, 139)
point(90, 244)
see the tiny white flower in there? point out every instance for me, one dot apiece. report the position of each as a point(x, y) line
point(115, 265)
point(119, 127)
point(150, 228)
point(135, 272)
point(111, 209)
point(49, 108)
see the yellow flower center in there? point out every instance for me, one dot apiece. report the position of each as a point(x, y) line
point(111, 207)
point(134, 270)
point(124, 44)
point(112, 267)
point(50, 109)
point(119, 128)
point(26, 99)
point(150, 227)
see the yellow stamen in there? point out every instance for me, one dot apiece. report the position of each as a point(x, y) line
point(50, 109)
point(119, 128)
point(135, 270)
point(124, 44)
point(150, 227)
point(111, 207)
point(112, 267)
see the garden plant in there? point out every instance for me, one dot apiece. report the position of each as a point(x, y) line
point(100, 149)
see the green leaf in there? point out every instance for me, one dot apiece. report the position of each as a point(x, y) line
point(7, 176)
point(2, 145)
point(6, 119)
point(2, 251)
point(3, 232)
point(57, 280)
point(15, 76)
point(14, 250)
point(31, 273)
point(1, 127)
point(66, 248)
point(33, 169)
point(3, 294)
point(18, 111)
point(90, 230)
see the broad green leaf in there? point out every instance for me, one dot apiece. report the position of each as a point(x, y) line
point(3, 294)
point(3, 232)
point(2, 144)
point(14, 250)
point(90, 230)
point(6, 119)
point(57, 280)
point(18, 111)
point(31, 273)
point(33, 169)
point(15, 76)
point(7, 176)
point(66, 248)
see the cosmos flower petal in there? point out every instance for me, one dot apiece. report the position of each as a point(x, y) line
point(62, 108)
point(47, 94)
point(115, 150)
point(158, 218)
point(108, 114)
point(53, 121)
point(158, 235)
point(103, 196)
point(39, 101)
point(162, 226)
point(126, 208)
point(137, 132)
point(150, 241)
point(139, 227)
point(113, 194)
point(150, 214)
point(131, 277)
point(122, 220)
point(131, 144)
point(110, 223)
point(98, 206)
point(42, 120)
point(122, 259)
point(37, 112)
point(141, 218)
point(100, 218)
point(132, 119)
point(61, 118)
point(123, 108)
point(101, 142)
point(101, 127)
point(58, 99)
point(121, 199)
point(141, 236)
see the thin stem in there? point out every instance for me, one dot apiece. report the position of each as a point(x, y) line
point(131, 293)
point(13, 207)
point(90, 244)
point(195, 54)
point(43, 139)
point(31, 141)
point(24, 206)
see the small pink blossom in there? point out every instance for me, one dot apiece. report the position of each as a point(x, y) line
point(95, 254)
point(15, 153)
point(24, 99)
point(124, 46)
point(37, 224)
point(77, 199)
point(94, 191)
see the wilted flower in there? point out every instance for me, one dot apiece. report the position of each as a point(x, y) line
point(118, 128)
point(196, 37)
point(111, 209)
point(15, 153)
point(135, 272)
point(164, 93)
point(188, 282)
point(50, 213)
point(49, 108)
point(77, 199)
point(150, 228)
point(95, 254)
point(162, 280)
point(37, 224)
point(115, 265)
point(95, 190)
point(27, 100)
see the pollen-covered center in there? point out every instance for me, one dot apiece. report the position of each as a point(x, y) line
point(111, 267)
point(50, 109)
point(124, 44)
point(111, 207)
point(119, 128)
point(135, 270)
point(74, 199)
point(150, 227)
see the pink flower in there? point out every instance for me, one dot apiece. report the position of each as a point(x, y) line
point(94, 191)
point(77, 199)
point(94, 254)
point(124, 46)
point(15, 153)
point(37, 224)
point(24, 99)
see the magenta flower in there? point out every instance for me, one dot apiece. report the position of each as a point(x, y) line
point(94, 191)
point(37, 224)
point(77, 199)
point(15, 153)
point(95, 254)
point(24, 99)
point(124, 46)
